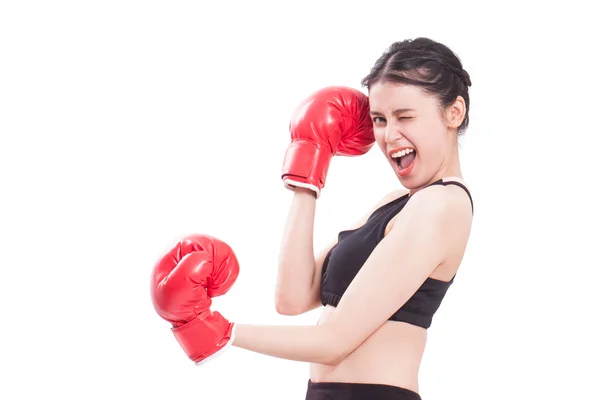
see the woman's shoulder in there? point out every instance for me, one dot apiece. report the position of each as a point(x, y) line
point(451, 197)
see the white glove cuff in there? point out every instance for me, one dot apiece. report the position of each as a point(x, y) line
point(222, 350)
point(291, 184)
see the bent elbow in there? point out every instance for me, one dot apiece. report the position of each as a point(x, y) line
point(333, 360)
point(337, 348)
point(286, 307)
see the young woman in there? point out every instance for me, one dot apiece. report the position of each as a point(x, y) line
point(382, 279)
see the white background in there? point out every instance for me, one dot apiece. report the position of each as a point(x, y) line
point(127, 124)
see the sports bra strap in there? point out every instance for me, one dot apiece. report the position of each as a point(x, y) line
point(450, 181)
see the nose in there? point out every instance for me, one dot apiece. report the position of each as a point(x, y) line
point(392, 134)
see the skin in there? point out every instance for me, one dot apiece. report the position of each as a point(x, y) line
point(355, 342)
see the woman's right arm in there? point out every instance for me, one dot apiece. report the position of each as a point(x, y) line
point(294, 293)
point(298, 288)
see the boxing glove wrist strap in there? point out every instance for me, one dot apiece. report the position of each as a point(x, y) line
point(306, 164)
point(203, 336)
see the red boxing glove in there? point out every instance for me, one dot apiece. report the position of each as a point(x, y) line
point(333, 121)
point(184, 280)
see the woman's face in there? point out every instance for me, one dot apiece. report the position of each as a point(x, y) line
point(412, 132)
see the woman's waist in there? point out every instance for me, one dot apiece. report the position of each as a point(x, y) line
point(403, 376)
point(392, 355)
point(378, 358)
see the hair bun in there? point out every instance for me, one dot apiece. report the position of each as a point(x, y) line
point(464, 76)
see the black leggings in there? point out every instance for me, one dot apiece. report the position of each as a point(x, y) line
point(357, 391)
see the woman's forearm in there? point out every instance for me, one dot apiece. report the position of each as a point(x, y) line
point(295, 274)
point(314, 344)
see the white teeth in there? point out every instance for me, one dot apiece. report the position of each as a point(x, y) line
point(402, 153)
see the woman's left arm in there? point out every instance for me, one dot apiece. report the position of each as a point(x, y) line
point(418, 242)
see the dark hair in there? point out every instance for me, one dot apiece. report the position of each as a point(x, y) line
point(427, 64)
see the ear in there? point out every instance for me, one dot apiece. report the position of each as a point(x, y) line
point(455, 113)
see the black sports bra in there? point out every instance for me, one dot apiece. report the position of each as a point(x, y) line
point(354, 247)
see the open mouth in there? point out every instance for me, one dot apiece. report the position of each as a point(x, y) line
point(405, 160)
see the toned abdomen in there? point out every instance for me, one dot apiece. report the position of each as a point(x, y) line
point(392, 356)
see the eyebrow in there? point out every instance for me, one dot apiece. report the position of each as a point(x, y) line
point(396, 112)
